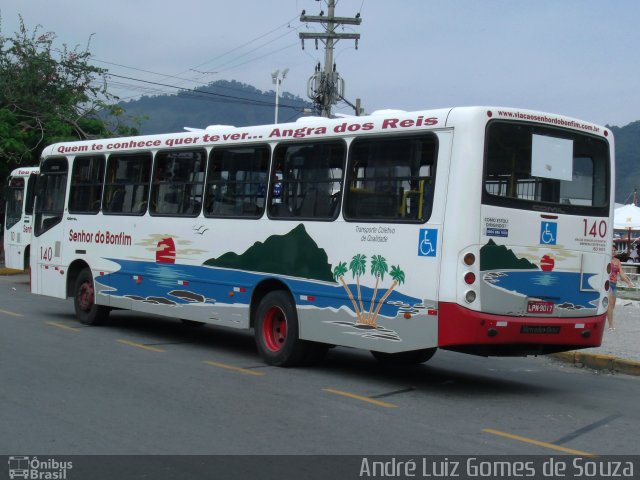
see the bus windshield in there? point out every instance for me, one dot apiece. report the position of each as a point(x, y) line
point(548, 169)
point(15, 197)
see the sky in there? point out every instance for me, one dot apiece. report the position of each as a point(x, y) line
point(571, 57)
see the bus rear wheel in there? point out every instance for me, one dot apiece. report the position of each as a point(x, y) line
point(87, 312)
point(276, 330)
point(405, 358)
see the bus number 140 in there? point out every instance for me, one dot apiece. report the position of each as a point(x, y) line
point(46, 254)
point(597, 228)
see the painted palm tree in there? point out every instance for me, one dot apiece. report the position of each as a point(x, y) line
point(338, 274)
point(358, 267)
point(378, 269)
point(398, 277)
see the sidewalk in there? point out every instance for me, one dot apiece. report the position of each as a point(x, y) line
point(620, 349)
point(8, 271)
point(619, 352)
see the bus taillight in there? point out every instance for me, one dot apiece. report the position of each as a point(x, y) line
point(469, 259)
point(469, 278)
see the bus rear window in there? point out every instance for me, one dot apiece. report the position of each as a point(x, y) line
point(547, 169)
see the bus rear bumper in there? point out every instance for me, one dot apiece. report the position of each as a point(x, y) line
point(468, 331)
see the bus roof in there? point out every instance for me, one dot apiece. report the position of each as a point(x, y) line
point(317, 127)
point(24, 171)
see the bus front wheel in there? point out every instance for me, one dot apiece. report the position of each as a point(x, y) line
point(276, 330)
point(87, 312)
point(405, 358)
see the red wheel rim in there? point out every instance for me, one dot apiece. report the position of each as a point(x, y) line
point(274, 329)
point(85, 296)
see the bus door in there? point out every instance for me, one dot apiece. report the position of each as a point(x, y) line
point(46, 255)
point(13, 223)
point(30, 196)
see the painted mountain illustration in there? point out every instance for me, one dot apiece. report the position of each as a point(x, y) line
point(294, 254)
point(499, 257)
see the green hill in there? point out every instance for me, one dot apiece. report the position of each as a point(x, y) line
point(295, 254)
point(499, 257)
point(627, 140)
point(219, 103)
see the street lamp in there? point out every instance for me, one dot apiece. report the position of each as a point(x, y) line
point(277, 80)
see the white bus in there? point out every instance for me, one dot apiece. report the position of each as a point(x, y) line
point(19, 194)
point(478, 230)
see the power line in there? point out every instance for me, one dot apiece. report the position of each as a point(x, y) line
point(229, 98)
point(198, 79)
point(194, 81)
point(247, 43)
point(143, 70)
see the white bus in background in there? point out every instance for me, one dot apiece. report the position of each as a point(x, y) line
point(19, 194)
point(479, 230)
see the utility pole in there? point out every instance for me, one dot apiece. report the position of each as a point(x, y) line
point(326, 87)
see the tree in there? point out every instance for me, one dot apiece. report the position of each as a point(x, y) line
point(398, 277)
point(339, 273)
point(378, 269)
point(49, 95)
point(358, 267)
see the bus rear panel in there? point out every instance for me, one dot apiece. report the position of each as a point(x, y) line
point(536, 281)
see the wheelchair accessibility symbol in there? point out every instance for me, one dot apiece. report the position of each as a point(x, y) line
point(548, 233)
point(427, 243)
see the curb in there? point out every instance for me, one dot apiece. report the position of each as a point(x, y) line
point(599, 362)
point(10, 271)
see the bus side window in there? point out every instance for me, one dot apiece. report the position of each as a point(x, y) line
point(126, 187)
point(391, 179)
point(178, 182)
point(309, 180)
point(86, 184)
point(236, 182)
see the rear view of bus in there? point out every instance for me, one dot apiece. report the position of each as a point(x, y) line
point(537, 280)
point(19, 209)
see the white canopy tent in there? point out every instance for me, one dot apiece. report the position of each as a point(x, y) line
point(627, 218)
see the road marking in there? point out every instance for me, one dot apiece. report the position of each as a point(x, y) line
point(396, 392)
point(65, 327)
point(359, 397)
point(11, 313)
point(140, 345)
point(587, 429)
point(235, 369)
point(538, 443)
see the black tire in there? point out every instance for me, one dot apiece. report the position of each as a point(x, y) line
point(405, 358)
point(276, 331)
point(87, 312)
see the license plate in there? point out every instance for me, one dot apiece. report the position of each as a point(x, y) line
point(538, 306)
point(539, 329)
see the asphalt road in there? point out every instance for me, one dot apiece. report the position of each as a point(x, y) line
point(150, 385)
